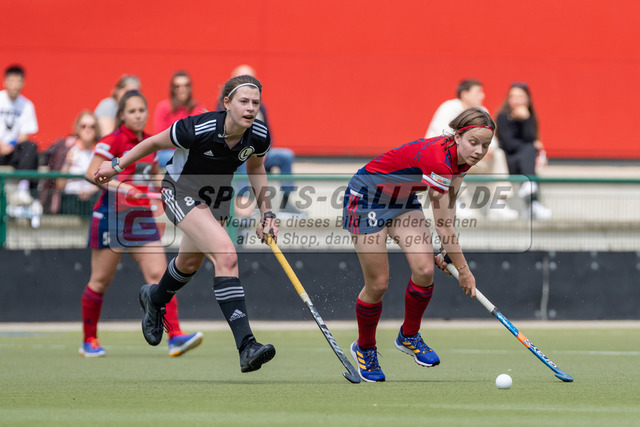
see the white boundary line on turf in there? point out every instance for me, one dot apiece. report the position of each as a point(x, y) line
point(265, 325)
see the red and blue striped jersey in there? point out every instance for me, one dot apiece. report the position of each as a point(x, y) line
point(137, 174)
point(412, 167)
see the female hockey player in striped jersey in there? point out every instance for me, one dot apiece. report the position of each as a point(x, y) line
point(380, 203)
point(197, 193)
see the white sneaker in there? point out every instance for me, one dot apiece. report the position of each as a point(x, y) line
point(21, 198)
point(36, 213)
point(538, 211)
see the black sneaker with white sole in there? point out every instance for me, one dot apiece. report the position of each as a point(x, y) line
point(254, 355)
point(153, 319)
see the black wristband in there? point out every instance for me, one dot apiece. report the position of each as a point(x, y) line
point(267, 215)
point(115, 164)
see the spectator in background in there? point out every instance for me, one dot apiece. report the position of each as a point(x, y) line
point(470, 93)
point(19, 121)
point(280, 158)
point(84, 193)
point(518, 136)
point(82, 142)
point(105, 112)
point(179, 105)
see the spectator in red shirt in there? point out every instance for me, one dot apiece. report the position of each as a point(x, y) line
point(179, 105)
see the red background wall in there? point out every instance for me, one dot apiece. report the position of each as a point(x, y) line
point(342, 77)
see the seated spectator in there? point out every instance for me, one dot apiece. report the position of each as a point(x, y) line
point(518, 136)
point(179, 105)
point(79, 195)
point(19, 121)
point(470, 93)
point(105, 112)
point(82, 135)
point(277, 158)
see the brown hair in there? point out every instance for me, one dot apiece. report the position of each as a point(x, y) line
point(233, 83)
point(469, 119)
point(506, 109)
point(466, 85)
point(123, 103)
point(191, 103)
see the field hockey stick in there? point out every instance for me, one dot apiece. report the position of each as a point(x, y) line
point(151, 196)
point(142, 195)
point(507, 324)
point(351, 374)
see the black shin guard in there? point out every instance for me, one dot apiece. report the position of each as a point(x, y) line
point(172, 281)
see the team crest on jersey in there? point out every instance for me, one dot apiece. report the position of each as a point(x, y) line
point(245, 153)
point(440, 180)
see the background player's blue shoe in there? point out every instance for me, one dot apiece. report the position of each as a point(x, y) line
point(180, 344)
point(416, 347)
point(92, 348)
point(367, 362)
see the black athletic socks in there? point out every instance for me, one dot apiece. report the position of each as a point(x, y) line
point(230, 296)
point(172, 281)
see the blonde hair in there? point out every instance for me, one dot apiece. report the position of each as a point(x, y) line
point(76, 123)
point(124, 81)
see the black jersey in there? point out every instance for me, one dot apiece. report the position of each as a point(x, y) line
point(201, 150)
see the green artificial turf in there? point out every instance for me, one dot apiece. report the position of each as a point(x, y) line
point(44, 381)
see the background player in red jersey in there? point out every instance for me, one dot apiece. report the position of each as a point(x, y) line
point(209, 149)
point(380, 203)
point(109, 235)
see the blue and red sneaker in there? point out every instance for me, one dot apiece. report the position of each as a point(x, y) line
point(416, 347)
point(92, 348)
point(367, 362)
point(180, 344)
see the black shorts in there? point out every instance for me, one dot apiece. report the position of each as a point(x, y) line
point(180, 199)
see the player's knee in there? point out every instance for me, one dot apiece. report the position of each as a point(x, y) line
point(226, 261)
point(423, 275)
point(98, 285)
point(378, 286)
